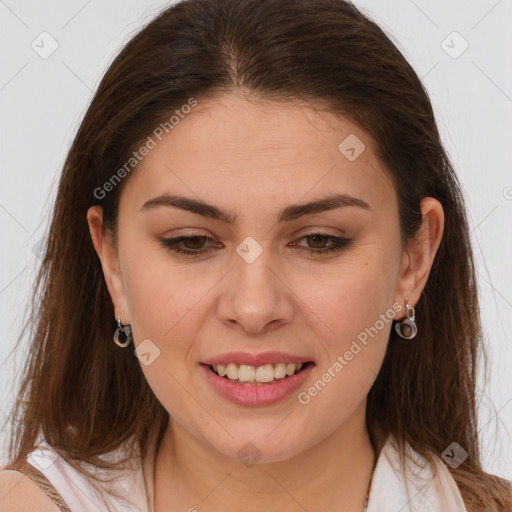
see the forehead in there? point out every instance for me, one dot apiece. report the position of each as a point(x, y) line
point(234, 151)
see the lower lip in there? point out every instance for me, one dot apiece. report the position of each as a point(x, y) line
point(254, 395)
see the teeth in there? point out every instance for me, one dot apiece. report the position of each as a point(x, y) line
point(260, 374)
point(280, 371)
point(246, 373)
point(264, 373)
point(232, 371)
point(290, 369)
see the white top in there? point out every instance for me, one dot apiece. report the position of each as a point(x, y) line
point(390, 491)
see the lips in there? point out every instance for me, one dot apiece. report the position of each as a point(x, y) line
point(256, 393)
point(245, 358)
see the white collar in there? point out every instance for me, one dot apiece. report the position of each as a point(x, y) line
point(425, 488)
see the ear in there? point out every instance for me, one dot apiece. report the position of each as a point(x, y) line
point(107, 253)
point(419, 254)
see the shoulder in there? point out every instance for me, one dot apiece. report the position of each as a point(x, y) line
point(18, 493)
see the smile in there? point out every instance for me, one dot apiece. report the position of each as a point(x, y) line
point(256, 386)
point(247, 374)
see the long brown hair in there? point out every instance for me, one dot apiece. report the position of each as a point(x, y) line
point(86, 394)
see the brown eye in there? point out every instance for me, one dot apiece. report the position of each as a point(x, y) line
point(194, 242)
point(318, 241)
point(188, 245)
point(195, 245)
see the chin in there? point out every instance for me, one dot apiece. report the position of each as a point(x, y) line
point(259, 448)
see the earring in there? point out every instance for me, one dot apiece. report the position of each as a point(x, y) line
point(123, 334)
point(410, 325)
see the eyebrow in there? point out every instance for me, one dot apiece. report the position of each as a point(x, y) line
point(287, 214)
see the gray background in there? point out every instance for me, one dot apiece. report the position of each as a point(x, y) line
point(43, 99)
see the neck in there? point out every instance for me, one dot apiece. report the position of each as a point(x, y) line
point(332, 475)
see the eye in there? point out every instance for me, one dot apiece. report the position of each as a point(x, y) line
point(320, 239)
point(194, 245)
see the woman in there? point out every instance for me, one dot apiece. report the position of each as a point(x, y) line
point(258, 206)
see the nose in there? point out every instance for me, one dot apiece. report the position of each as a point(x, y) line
point(255, 296)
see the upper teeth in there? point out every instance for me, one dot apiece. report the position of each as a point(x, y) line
point(265, 373)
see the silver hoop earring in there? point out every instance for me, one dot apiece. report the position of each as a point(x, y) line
point(123, 334)
point(409, 324)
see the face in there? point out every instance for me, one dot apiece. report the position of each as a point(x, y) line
point(318, 285)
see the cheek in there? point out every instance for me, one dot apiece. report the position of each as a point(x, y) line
point(161, 295)
point(354, 303)
point(356, 310)
point(354, 293)
point(161, 301)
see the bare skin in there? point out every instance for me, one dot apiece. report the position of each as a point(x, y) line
point(253, 160)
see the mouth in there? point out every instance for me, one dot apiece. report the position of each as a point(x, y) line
point(251, 385)
point(264, 375)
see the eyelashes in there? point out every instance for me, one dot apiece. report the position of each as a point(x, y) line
point(176, 244)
